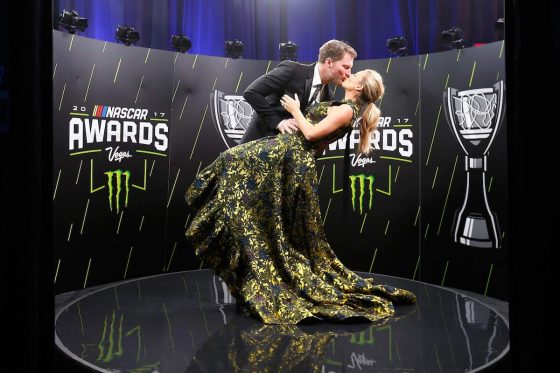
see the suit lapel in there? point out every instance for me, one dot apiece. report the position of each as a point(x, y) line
point(307, 91)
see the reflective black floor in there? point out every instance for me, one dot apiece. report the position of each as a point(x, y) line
point(188, 322)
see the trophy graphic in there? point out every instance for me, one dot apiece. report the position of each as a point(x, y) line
point(475, 117)
point(230, 114)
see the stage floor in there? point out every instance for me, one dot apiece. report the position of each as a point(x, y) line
point(188, 322)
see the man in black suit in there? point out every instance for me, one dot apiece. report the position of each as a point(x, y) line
point(309, 82)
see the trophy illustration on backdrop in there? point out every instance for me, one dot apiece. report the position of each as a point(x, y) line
point(230, 114)
point(475, 117)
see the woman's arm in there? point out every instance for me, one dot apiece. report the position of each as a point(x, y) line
point(337, 117)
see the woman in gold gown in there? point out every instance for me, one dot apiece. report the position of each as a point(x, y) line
point(257, 222)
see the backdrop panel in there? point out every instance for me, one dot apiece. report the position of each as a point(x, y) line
point(205, 89)
point(111, 140)
point(453, 190)
point(379, 232)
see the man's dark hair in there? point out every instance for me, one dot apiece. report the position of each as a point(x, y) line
point(335, 50)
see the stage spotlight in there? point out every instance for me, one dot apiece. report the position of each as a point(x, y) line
point(128, 35)
point(180, 43)
point(499, 27)
point(234, 48)
point(398, 46)
point(453, 38)
point(71, 20)
point(288, 51)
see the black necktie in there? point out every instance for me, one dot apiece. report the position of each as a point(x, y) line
point(318, 88)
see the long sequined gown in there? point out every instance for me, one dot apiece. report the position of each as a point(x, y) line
point(256, 222)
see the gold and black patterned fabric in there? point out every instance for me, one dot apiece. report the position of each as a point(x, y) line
point(257, 224)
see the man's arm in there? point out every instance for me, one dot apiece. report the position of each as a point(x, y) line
point(273, 82)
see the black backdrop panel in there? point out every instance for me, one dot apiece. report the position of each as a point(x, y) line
point(384, 214)
point(379, 232)
point(111, 113)
point(198, 136)
point(444, 176)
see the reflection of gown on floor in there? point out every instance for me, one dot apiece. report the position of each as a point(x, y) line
point(258, 225)
point(245, 347)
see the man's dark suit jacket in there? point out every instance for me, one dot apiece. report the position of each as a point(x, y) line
point(264, 95)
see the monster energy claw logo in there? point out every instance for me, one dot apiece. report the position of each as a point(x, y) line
point(362, 179)
point(118, 176)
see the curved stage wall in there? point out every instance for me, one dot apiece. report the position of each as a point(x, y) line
point(134, 125)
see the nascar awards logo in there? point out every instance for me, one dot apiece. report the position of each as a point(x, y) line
point(110, 124)
point(121, 133)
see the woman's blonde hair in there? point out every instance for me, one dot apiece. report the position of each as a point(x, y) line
point(373, 90)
